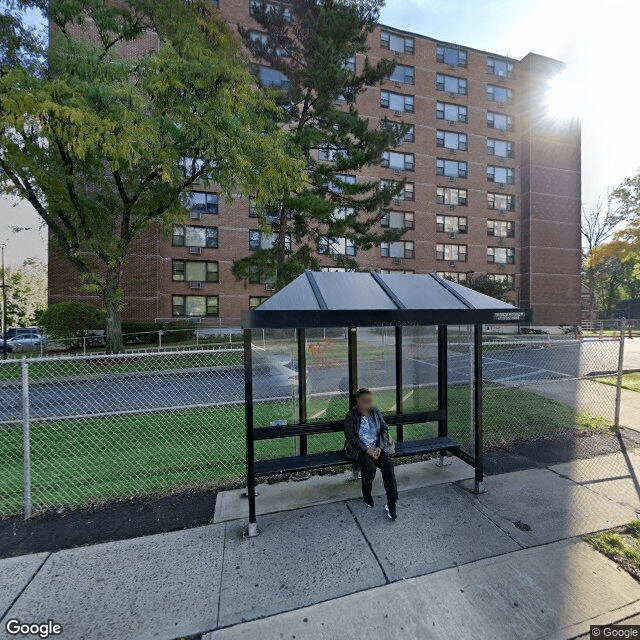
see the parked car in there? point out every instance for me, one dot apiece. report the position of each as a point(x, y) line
point(18, 331)
point(25, 342)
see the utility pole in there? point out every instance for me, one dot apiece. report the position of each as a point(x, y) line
point(4, 307)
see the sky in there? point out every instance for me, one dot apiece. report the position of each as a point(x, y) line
point(597, 40)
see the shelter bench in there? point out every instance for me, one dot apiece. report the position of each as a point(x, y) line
point(324, 459)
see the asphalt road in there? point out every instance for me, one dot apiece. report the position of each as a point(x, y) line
point(273, 378)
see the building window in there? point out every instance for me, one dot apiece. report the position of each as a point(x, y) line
point(501, 201)
point(201, 202)
point(452, 56)
point(452, 84)
point(501, 228)
point(215, 3)
point(451, 252)
point(254, 301)
point(337, 246)
point(255, 8)
point(330, 153)
point(460, 278)
point(406, 194)
point(508, 278)
point(383, 271)
point(195, 306)
point(341, 213)
point(336, 269)
point(263, 40)
point(266, 241)
point(451, 140)
point(268, 77)
point(499, 121)
point(500, 148)
point(452, 197)
point(501, 255)
point(350, 64)
point(398, 220)
point(196, 237)
point(500, 68)
point(399, 250)
point(499, 94)
point(403, 74)
point(339, 181)
point(399, 102)
point(451, 224)
point(501, 175)
point(390, 125)
point(194, 271)
point(397, 161)
point(451, 112)
point(398, 44)
point(451, 168)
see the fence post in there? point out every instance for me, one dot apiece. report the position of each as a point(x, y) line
point(26, 448)
point(616, 420)
point(159, 339)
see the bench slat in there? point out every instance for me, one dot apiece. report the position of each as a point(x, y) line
point(288, 430)
point(333, 458)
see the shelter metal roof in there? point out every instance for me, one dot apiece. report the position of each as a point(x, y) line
point(360, 299)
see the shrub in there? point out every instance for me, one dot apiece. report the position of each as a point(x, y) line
point(71, 319)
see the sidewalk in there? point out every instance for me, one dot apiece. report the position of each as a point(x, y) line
point(509, 563)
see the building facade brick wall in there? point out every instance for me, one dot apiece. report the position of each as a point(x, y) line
point(546, 189)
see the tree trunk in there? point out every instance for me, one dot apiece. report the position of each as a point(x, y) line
point(111, 299)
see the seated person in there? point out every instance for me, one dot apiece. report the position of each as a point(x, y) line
point(366, 437)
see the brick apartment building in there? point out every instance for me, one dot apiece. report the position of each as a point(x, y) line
point(493, 187)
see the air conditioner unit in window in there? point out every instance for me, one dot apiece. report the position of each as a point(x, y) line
point(195, 284)
point(452, 122)
point(451, 150)
point(398, 84)
point(452, 94)
point(195, 249)
point(452, 207)
point(500, 265)
point(397, 260)
point(398, 112)
point(502, 184)
point(452, 234)
point(195, 215)
point(268, 286)
point(397, 201)
point(452, 263)
point(452, 178)
point(398, 171)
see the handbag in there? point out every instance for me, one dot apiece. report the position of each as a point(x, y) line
point(389, 445)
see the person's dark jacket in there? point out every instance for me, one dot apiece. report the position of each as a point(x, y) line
point(352, 445)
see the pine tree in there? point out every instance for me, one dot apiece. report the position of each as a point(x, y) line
point(311, 50)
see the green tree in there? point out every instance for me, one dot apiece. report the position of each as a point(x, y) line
point(26, 292)
point(310, 52)
point(483, 283)
point(103, 143)
point(71, 319)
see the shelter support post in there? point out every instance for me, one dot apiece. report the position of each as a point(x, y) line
point(477, 408)
point(399, 407)
point(352, 347)
point(302, 386)
point(443, 384)
point(252, 528)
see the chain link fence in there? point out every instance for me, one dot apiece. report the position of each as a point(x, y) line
point(83, 429)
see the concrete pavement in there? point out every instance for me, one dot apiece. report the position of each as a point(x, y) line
point(508, 563)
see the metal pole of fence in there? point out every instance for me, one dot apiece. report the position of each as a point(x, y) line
point(159, 339)
point(26, 449)
point(84, 345)
point(616, 420)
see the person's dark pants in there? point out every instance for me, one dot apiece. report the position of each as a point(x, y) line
point(368, 473)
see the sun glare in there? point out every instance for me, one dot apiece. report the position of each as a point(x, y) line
point(563, 97)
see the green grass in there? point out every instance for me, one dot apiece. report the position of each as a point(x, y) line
point(630, 381)
point(80, 462)
point(63, 368)
point(622, 546)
